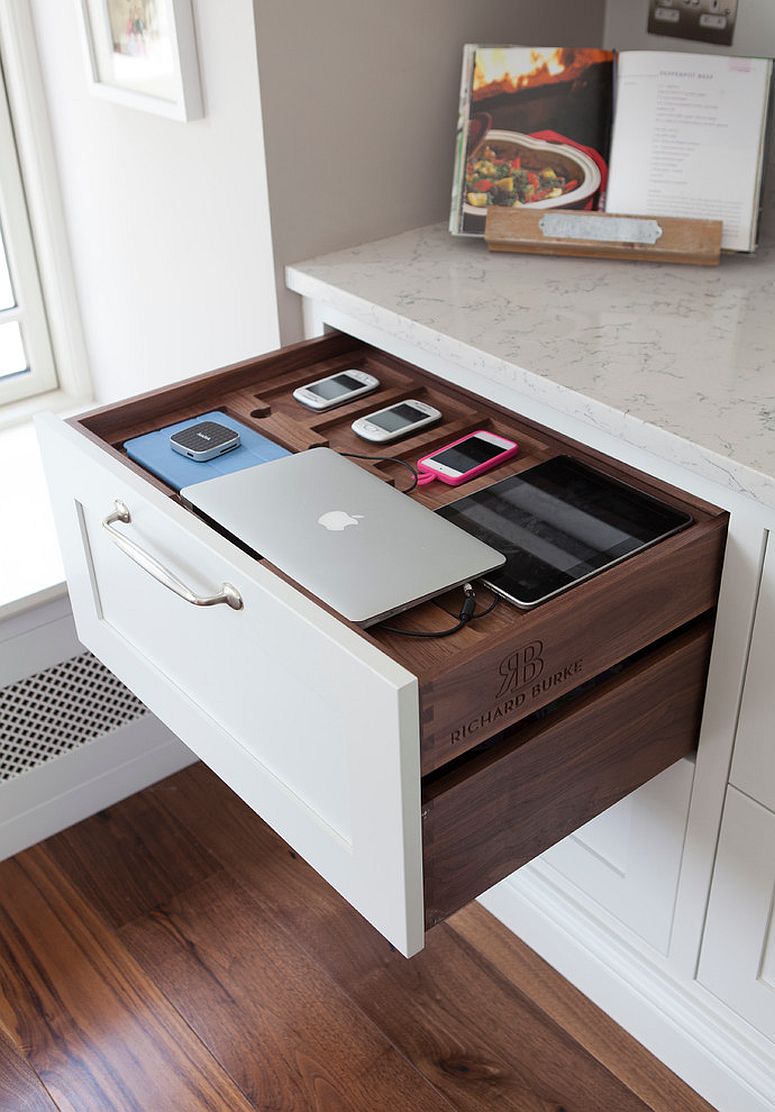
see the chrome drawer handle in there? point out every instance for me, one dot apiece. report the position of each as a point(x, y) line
point(228, 594)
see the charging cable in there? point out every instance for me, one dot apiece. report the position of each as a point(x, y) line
point(417, 479)
point(420, 478)
point(467, 614)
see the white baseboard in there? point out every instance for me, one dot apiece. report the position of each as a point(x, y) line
point(696, 1036)
point(69, 788)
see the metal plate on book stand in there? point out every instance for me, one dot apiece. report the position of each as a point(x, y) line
point(602, 228)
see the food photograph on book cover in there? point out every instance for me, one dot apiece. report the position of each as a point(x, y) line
point(534, 131)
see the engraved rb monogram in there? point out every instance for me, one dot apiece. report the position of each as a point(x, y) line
point(521, 667)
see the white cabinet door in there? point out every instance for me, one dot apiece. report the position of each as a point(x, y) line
point(753, 766)
point(738, 951)
point(316, 729)
point(628, 859)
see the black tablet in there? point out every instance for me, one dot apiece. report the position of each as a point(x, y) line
point(558, 523)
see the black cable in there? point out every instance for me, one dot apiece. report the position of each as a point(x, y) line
point(389, 459)
point(467, 614)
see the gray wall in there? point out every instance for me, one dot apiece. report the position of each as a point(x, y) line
point(360, 106)
point(168, 222)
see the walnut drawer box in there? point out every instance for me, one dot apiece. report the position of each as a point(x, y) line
point(411, 774)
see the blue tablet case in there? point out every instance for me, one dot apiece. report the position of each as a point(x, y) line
point(154, 452)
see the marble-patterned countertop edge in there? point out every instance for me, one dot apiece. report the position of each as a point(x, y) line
point(695, 458)
point(674, 360)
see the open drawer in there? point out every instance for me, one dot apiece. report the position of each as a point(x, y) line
point(411, 775)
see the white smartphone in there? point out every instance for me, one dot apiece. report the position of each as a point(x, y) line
point(337, 389)
point(395, 421)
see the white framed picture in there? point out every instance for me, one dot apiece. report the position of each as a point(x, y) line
point(142, 53)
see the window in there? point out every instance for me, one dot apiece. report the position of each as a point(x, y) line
point(26, 357)
point(43, 357)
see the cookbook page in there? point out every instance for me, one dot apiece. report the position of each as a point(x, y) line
point(533, 130)
point(688, 137)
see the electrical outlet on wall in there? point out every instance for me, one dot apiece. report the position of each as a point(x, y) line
point(704, 20)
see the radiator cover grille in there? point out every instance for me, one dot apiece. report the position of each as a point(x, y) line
point(58, 710)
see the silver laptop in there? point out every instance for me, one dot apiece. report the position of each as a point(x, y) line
point(349, 538)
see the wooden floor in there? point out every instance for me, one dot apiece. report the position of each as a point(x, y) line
point(173, 953)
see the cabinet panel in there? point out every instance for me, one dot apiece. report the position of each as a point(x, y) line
point(753, 766)
point(738, 952)
point(629, 858)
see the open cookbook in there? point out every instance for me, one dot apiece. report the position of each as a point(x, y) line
point(638, 132)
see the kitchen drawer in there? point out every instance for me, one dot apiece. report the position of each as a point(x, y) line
point(327, 730)
point(541, 780)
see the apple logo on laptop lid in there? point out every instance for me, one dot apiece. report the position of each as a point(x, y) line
point(337, 520)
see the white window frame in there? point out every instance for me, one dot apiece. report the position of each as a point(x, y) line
point(29, 311)
point(40, 264)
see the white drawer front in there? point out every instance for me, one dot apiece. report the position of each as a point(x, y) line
point(753, 766)
point(628, 858)
point(311, 726)
point(738, 951)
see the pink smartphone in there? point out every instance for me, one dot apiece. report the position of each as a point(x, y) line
point(466, 458)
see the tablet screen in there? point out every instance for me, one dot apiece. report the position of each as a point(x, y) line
point(559, 522)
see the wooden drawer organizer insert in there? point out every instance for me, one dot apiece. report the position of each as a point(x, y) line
point(504, 668)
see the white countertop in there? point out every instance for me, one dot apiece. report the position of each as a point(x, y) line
point(679, 360)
